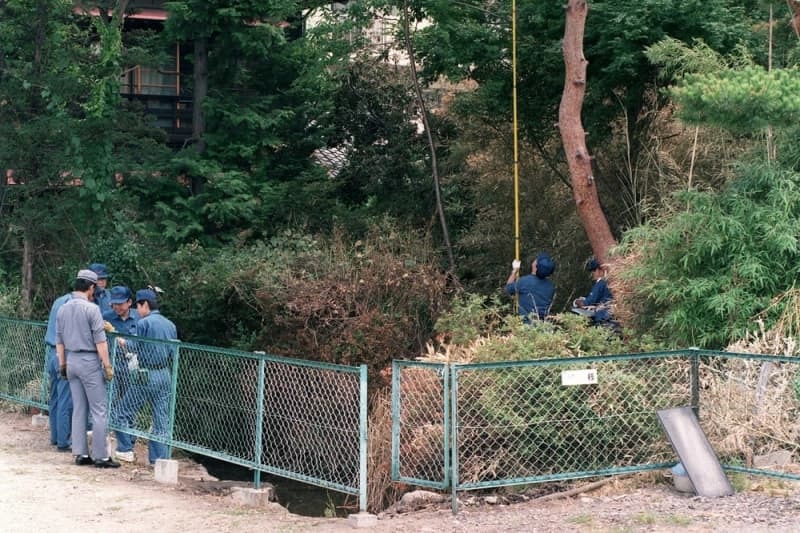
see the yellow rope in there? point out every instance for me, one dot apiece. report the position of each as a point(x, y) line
point(516, 140)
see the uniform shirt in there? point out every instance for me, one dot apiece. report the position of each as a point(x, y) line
point(155, 326)
point(79, 325)
point(599, 295)
point(102, 298)
point(50, 334)
point(535, 294)
point(126, 326)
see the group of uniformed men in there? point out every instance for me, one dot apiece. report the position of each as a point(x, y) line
point(80, 368)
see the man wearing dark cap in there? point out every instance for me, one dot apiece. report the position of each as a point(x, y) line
point(534, 290)
point(599, 300)
point(101, 295)
point(122, 316)
point(82, 351)
point(123, 320)
point(151, 383)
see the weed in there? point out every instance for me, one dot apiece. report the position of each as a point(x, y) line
point(580, 519)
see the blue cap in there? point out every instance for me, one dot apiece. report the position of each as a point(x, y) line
point(120, 294)
point(146, 295)
point(592, 264)
point(100, 269)
point(544, 265)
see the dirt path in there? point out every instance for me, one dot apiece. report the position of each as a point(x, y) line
point(41, 490)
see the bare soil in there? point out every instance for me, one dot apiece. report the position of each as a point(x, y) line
point(42, 490)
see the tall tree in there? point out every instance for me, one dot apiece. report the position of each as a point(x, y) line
point(265, 91)
point(65, 132)
point(572, 133)
point(471, 41)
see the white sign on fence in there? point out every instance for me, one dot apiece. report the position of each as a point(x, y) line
point(579, 377)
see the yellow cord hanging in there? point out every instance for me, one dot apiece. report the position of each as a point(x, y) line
point(514, 127)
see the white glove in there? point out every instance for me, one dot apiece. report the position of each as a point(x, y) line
point(515, 264)
point(133, 361)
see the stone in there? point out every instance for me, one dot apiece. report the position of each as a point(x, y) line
point(776, 458)
point(417, 499)
point(166, 471)
point(40, 421)
point(251, 497)
point(360, 520)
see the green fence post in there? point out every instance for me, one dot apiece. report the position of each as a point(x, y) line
point(445, 376)
point(395, 420)
point(45, 380)
point(259, 420)
point(362, 424)
point(112, 357)
point(695, 378)
point(173, 398)
point(452, 372)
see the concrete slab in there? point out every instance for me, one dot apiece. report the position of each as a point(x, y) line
point(166, 471)
point(361, 520)
point(261, 497)
point(40, 421)
point(695, 452)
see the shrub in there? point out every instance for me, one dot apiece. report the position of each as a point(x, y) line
point(697, 275)
point(322, 298)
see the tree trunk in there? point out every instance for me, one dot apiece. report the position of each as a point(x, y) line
point(794, 6)
point(573, 136)
point(431, 145)
point(42, 12)
point(27, 277)
point(200, 75)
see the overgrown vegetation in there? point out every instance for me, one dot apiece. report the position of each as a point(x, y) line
point(331, 299)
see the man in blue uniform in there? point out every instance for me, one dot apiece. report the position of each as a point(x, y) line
point(151, 382)
point(101, 295)
point(82, 351)
point(122, 316)
point(123, 319)
point(534, 290)
point(60, 408)
point(597, 304)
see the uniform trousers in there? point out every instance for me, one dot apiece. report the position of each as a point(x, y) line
point(89, 395)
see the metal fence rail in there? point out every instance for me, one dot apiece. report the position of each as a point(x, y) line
point(473, 426)
point(293, 418)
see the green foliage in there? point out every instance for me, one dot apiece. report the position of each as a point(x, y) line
point(699, 274)
point(678, 58)
point(469, 316)
point(470, 42)
point(66, 134)
point(506, 338)
point(267, 94)
point(386, 171)
point(743, 101)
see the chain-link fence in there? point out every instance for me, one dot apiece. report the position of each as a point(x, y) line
point(293, 418)
point(420, 422)
point(23, 377)
point(472, 426)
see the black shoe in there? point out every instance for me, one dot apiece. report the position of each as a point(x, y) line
point(83, 460)
point(108, 462)
point(63, 448)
